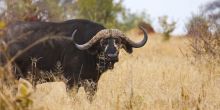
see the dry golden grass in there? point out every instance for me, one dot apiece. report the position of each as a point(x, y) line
point(155, 77)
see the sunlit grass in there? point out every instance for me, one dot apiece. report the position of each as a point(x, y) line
point(159, 76)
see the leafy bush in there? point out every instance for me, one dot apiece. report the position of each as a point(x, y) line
point(167, 28)
point(102, 11)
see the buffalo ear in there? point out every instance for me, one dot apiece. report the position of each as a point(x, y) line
point(128, 48)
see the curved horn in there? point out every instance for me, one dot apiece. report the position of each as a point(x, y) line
point(138, 44)
point(101, 34)
point(105, 33)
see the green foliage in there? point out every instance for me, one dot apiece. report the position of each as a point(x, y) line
point(109, 13)
point(167, 27)
point(101, 11)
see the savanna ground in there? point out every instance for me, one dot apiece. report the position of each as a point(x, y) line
point(159, 76)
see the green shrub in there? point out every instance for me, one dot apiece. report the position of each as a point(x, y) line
point(167, 28)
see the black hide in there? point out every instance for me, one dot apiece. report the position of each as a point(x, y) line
point(76, 63)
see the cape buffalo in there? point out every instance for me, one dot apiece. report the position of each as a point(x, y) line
point(85, 49)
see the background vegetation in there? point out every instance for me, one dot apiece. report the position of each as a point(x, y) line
point(181, 74)
point(204, 28)
point(167, 28)
point(106, 12)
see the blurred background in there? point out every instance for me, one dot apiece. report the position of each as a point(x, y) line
point(122, 14)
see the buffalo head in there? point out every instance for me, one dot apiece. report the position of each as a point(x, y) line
point(107, 42)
